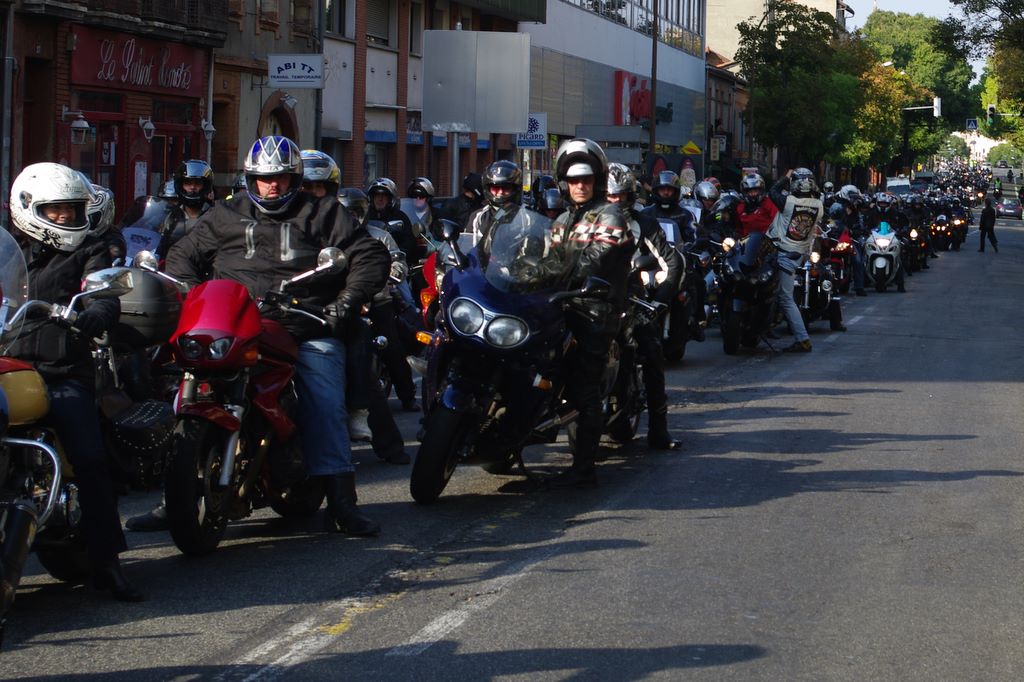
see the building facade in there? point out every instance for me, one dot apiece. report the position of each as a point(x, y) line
point(115, 88)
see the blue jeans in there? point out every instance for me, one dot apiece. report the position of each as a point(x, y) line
point(786, 301)
point(323, 417)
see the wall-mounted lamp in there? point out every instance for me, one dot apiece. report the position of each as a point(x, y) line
point(147, 127)
point(79, 127)
point(289, 100)
point(208, 130)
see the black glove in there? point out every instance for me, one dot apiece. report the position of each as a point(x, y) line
point(341, 312)
point(90, 323)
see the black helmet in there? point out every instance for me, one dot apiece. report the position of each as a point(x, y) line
point(193, 169)
point(666, 178)
point(727, 203)
point(577, 156)
point(356, 201)
point(552, 200)
point(420, 188)
point(503, 174)
point(473, 183)
point(384, 186)
point(541, 185)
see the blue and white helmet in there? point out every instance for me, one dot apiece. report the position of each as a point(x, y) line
point(273, 155)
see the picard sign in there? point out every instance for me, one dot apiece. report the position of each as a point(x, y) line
point(117, 60)
point(295, 70)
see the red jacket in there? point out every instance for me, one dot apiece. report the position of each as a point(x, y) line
point(757, 220)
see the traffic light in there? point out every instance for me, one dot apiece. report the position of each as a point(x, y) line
point(936, 107)
point(991, 114)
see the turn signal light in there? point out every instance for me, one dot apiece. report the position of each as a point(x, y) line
point(424, 337)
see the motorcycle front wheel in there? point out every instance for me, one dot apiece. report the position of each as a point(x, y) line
point(629, 404)
point(444, 434)
point(197, 508)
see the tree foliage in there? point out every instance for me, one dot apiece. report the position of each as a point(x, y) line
point(954, 147)
point(1008, 152)
point(798, 101)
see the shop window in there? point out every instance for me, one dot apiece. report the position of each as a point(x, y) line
point(97, 101)
point(378, 22)
point(334, 17)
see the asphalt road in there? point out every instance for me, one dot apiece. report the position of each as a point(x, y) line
point(850, 514)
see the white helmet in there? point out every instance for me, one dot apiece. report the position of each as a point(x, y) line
point(42, 184)
point(100, 210)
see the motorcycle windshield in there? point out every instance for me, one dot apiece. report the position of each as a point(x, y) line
point(13, 283)
point(520, 256)
point(149, 213)
point(883, 228)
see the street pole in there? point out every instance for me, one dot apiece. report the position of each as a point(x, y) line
point(653, 118)
point(318, 124)
point(5, 152)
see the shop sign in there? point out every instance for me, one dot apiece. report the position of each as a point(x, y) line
point(124, 61)
point(632, 99)
point(536, 135)
point(295, 70)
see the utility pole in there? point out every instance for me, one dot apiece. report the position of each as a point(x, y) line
point(318, 124)
point(653, 119)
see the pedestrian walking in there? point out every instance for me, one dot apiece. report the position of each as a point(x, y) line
point(987, 226)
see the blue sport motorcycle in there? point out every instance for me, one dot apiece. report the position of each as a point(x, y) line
point(495, 372)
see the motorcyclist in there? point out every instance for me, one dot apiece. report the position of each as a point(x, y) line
point(503, 191)
point(460, 208)
point(793, 231)
point(828, 193)
point(48, 207)
point(384, 206)
point(650, 239)
point(271, 233)
point(721, 221)
point(421, 191)
point(597, 243)
point(758, 211)
point(540, 185)
point(193, 183)
point(666, 191)
point(552, 203)
point(100, 210)
point(886, 211)
point(320, 173)
point(369, 415)
point(920, 218)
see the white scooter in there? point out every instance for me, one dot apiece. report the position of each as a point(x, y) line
point(882, 256)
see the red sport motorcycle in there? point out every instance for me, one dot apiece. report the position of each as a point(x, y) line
point(235, 443)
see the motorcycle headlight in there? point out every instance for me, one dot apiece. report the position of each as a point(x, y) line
point(220, 348)
point(843, 246)
point(192, 349)
point(728, 243)
point(913, 234)
point(506, 331)
point(815, 256)
point(883, 242)
point(826, 285)
point(467, 317)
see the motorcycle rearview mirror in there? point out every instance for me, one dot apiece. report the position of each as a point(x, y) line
point(108, 283)
point(646, 263)
point(146, 260)
point(450, 230)
point(395, 226)
point(331, 257)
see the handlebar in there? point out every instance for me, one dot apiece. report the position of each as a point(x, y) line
point(290, 304)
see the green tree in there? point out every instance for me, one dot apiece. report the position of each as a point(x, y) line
point(1008, 152)
point(954, 147)
point(906, 41)
point(799, 100)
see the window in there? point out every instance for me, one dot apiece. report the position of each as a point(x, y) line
point(416, 28)
point(334, 17)
point(270, 12)
point(378, 22)
point(302, 16)
point(236, 8)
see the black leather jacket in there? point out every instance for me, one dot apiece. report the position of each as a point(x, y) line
point(406, 238)
point(54, 277)
point(235, 240)
point(651, 240)
point(459, 209)
point(597, 243)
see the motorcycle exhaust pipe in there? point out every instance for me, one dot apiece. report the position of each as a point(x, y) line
point(557, 420)
point(19, 529)
point(807, 288)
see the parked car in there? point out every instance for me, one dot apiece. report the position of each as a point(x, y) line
point(1010, 208)
point(1002, 164)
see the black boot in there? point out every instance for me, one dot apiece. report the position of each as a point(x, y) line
point(342, 514)
point(658, 437)
point(153, 520)
point(107, 575)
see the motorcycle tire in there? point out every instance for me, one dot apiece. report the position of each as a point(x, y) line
point(198, 446)
point(379, 373)
point(444, 434)
point(674, 345)
point(731, 334)
point(68, 563)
